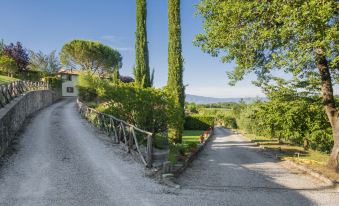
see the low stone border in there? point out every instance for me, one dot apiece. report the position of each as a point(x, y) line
point(167, 174)
point(179, 170)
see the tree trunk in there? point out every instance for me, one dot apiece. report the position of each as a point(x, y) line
point(329, 104)
point(334, 157)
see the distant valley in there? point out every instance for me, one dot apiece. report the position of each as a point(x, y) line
point(210, 100)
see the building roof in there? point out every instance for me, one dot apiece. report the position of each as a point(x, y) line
point(69, 71)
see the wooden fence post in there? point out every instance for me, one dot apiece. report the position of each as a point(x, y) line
point(149, 150)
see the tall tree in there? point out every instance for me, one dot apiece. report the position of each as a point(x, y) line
point(141, 70)
point(299, 37)
point(91, 56)
point(7, 64)
point(19, 54)
point(175, 68)
point(48, 64)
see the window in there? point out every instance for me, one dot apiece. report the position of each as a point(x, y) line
point(69, 77)
point(70, 89)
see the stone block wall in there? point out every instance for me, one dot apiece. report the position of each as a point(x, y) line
point(13, 115)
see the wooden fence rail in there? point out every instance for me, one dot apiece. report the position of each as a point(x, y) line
point(12, 90)
point(133, 139)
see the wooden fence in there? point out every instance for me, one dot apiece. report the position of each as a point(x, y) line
point(134, 140)
point(12, 90)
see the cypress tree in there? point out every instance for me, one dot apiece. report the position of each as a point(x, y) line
point(116, 75)
point(142, 70)
point(175, 70)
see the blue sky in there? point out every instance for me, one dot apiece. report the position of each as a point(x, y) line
point(47, 24)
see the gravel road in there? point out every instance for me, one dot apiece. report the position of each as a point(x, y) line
point(60, 160)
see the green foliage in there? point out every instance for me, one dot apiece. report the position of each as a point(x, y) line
point(226, 105)
point(264, 35)
point(175, 69)
point(47, 64)
point(6, 79)
point(299, 37)
point(55, 82)
point(192, 145)
point(91, 56)
point(147, 108)
point(191, 108)
point(88, 85)
point(116, 76)
point(230, 122)
point(142, 70)
point(8, 65)
point(290, 115)
point(181, 149)
point(198, 122)
point(160, 141)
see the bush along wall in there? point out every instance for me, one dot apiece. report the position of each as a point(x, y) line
point(198, 122)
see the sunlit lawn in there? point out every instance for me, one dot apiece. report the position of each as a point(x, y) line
point(191, 136)
point(6, 79)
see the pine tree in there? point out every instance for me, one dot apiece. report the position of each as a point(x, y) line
point(175, 70)
point(142, 70)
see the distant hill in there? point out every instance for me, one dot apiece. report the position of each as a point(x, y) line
point(210, 100)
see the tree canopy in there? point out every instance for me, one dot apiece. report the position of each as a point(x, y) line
point(48, 64)
point(91, 56)
point(261, 36)
point(299, 37)
point(17, 54)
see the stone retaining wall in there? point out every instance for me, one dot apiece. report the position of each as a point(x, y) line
point(13, 115)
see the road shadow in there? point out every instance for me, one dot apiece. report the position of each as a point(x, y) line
point(230, 163)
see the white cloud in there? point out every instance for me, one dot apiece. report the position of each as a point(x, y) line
point(124, 48)
point(111, 38)
point(117, 40)
point(225, 92)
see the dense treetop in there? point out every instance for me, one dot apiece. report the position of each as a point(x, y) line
point(90, 55)
point(264, 35)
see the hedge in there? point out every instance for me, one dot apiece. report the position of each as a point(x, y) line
point(198, 122)
point(230, 122)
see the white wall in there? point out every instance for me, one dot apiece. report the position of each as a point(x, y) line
point(66, 83)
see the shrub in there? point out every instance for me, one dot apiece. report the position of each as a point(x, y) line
point(321, 140)
point(198, 122)
point(88, 85)
point(160, 141)
point(147, 108)
point(230, 122)
point(192, 146)
point(181, 149)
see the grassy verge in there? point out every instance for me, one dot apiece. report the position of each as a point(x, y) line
point(309, 158)
point(6, 79)
point(191, 136)
point(190, 140)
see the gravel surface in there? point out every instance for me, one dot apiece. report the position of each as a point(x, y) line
point(234, 165)
point(61, 160)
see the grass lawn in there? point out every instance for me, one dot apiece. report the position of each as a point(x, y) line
point(6, 79)
point(312, 159)
point(191, 136)
point(188, 137)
